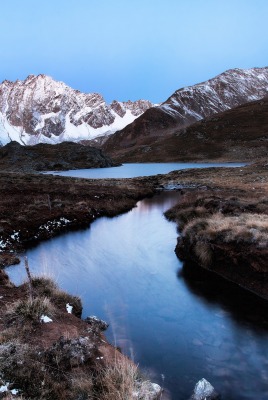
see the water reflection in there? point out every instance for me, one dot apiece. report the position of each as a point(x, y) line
point(240, 304)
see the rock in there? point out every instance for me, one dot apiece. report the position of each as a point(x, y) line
point(70, 353)
point(204, 391)
point(97, 323)
point(147, 391)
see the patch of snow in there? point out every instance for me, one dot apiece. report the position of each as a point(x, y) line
point(45, 319)
point(4, 388)
point(69, 308)
point(15, 236)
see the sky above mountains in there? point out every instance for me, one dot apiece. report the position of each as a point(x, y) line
point(127, 50)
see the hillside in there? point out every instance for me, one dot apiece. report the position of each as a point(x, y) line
point(239, 134)
point(139, 140)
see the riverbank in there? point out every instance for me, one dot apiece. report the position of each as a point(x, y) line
point(222, 215)
point(203, 194)
point(48, 352)
point(35, 207)
point(223, 223)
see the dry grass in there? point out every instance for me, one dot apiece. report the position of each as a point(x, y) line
point(248, 228)
point(204, 253)
point(83, 386)
point(25, 311)
point(46, 287)
point(66, 370)
point(22, 364)
point(118, 381)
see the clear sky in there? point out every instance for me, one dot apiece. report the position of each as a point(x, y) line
point(131, 49)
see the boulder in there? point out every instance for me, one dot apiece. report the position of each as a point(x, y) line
point(97, 323)
point(147, 391)
point(204, 391)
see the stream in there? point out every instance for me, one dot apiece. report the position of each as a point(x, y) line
point(177, 329)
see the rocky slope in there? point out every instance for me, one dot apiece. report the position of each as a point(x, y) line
point(239, 134)
point(45, 157)
point(40, 109)
point(185, 107)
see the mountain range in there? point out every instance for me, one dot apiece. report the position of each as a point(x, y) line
point(138, 141)
point(42, 110)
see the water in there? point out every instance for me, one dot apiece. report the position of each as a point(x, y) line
point(179, 329)
point(134, 170)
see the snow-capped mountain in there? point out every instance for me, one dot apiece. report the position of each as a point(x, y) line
point(42, 110)
point(228, 90)
point(187, 106)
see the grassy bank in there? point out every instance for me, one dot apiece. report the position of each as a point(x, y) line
point(34, 207)
point(223, 224)
point(48, 352)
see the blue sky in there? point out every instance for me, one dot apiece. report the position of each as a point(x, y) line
point(128, 49)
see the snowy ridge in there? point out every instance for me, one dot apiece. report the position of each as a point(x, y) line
point(225, 91)
point(41, 110)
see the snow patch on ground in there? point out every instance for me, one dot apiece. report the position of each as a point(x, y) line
point(69, 308)
point(45, 319)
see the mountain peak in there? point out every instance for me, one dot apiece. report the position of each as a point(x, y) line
point(41, 109)
point(185, 107)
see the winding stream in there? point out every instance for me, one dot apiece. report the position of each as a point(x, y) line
point(178, 329)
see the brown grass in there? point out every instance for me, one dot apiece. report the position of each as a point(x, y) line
point(118, 381)
point(26, 310)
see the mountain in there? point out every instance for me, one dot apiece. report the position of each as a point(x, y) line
point(239, 134)
point(45, 157)
point(186, 106)
point(40, 109)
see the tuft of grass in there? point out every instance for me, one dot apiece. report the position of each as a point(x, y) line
point(118, 381)
point(22, 364)
point(46, 287)
point(82, 386)
point(26, 310)
point(204, 253)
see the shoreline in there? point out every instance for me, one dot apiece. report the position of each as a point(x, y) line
point(61, 204)
point(31, 201)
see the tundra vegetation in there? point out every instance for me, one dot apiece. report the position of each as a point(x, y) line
point(48, 353)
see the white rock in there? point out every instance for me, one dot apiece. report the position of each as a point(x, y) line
point(204, 391)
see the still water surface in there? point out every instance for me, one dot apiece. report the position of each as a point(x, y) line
point(134, 170)
point(178, 329)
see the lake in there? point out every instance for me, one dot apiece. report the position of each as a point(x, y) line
point(134, 170)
